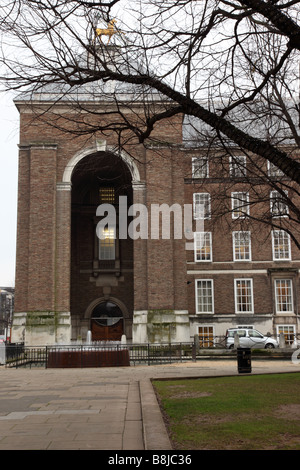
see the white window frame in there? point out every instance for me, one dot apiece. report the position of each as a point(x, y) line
point(282, 205)
point(287, 330)
point(249, 327)
point(203, 342)
point(202, 240)
point(276, 243)
point(274, 171)
point(236, 238)
point(201, 212)
point(200, 167)
point(277, 303)
point(242, 199)
point(236, 298)
point(238, 166)
point(197, 297)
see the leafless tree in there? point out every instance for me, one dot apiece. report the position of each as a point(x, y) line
point(230, 66)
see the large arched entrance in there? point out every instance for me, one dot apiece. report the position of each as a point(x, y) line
point(107, 322)
point(101, 267)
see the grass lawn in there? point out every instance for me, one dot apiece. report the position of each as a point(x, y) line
point(255, 412)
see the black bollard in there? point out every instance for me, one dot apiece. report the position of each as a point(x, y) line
point(244, 360)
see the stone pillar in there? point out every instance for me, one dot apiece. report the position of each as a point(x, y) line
point(39, 311)
point(63, 262)
point(22, 258)
point(42, 224)
point(140, 314)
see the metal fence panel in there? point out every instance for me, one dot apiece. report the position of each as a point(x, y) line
point(98, 355)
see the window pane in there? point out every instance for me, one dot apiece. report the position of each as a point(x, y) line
point(201, 205)
point(288, 332)
point(107, 244)
point(278, 204)
point(206, 336)
point(107, 195)
point(281, 245)
point(240, 205)
point(254, 334)
point(273, 170)
point(204, 296)
point(243, 292)
point(241, 246)
point(200, 167)
point(238, 166)
point(203, 246)
point(284, 300)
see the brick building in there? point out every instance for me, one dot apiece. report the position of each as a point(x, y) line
point(70, 280)
point(6, 312)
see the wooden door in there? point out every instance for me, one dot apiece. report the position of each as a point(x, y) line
point(107, 333)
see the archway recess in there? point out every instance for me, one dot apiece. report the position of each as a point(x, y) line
point(100, 267)
point(107, 322)
point(101, 146)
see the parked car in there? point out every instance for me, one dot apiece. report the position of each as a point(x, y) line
point(249, 338)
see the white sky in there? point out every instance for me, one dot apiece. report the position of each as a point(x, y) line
point(9, 139)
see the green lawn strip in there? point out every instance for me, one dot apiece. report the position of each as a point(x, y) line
point(243, 412)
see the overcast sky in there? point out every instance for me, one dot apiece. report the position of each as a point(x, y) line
point(9, 139)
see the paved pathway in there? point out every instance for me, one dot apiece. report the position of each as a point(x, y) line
point(96, 409)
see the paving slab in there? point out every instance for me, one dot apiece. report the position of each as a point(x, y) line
point(98, 408)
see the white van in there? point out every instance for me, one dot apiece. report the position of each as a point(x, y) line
point(249, 338)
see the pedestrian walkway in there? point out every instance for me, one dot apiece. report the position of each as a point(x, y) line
point(97, 409)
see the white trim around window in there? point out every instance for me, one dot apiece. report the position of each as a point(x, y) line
point(202, 246)
point(204, 293)
point(289, 332)
point(274, 171)
point(284, 302)
point(200, 167)
point(241, 243)
point(206, 335)
point(243, 295)
point(238, 166)
point(201, 206)
point(281, 245)
point(278, 206)
point(240, 205)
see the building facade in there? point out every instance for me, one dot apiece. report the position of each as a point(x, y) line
point(6, 312)
point(74, 274)
point(244, 270)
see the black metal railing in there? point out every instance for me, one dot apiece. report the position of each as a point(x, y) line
point(161, 353)
point(98, 355)
point(112, 354)
point(18, 355)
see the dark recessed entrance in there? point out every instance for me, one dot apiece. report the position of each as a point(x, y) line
point(107, 322)
point(101, 261)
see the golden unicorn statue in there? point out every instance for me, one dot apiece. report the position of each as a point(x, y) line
point(109, 31)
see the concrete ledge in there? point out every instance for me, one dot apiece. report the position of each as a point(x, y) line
point(154, 429)
point(260, 354)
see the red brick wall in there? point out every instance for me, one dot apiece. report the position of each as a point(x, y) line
point(46, 280)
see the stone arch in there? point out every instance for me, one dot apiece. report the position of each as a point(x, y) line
point(96, 274)
point(100, 147)
point(110, 324)
point(89, 310)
